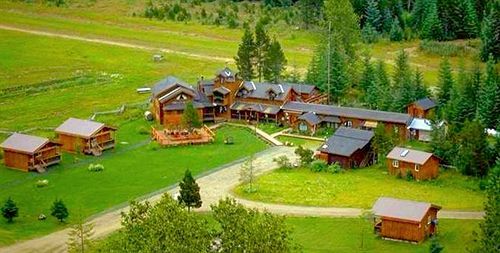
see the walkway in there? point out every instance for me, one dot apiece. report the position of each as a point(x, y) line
point(214, 186)
point(267, 137)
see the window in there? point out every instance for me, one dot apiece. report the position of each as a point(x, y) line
point(348, 123)
point(417, 167)
point(395, 163)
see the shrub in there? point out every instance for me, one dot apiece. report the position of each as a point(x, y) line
point(42, 183)
point(283, 162)
point(318, 166)
point(398, 174)
point(143, 130)
point(369, 34)
point(305, 154)
point(334, 168)
point(446, 49)
point(409, 176)
point(96, 167)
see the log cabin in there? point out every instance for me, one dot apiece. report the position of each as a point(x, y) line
point(27, 152)
point(88, 137)
point(405, 220)
point(422, 165)
point(422, 108)
point(349, 147)
point(349, 117)
point(169, 97)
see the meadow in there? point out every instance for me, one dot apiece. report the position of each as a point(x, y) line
point(361, 188)
point(135, 168)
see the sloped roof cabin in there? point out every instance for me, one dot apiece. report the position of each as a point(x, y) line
point(422, 165)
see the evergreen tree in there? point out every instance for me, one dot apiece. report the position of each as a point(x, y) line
point(369, 34)
point(275, 63)
point(469, 25)
point(262, 43)
point(247, 174)
point(403, 83)
point(314, 71)
point(310, 11)
point(420, 89)
point(432, 28)
point(455, 108)
point(489, 97)
point(488, 238)
point(372, 15)
point(442, 143)
point(189, 193)
point(435, 246)
point(338, 75)
point(79, 236)
point(190, 117)
point(473, 154)
point(419, 13)
point(10, 210)
point(490, 34)
point(445, 82)
point(396, 33)
point(368, 77)
point(59, 210)
point(245, 55)
point(387, 21)
point(384, 98)
point(383, 141)
point(345, 32)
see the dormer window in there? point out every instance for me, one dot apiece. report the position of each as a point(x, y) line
point(181, 97)
point(272, 95)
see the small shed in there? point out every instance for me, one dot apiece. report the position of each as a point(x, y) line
point(86, 136)
point(405, 220)
point(27, 152)
point(349, 147)
point(421, 108)
point(422, 165)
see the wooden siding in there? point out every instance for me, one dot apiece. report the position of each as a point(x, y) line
point(409, 231)
point(418, 112)
point(16, 160)
point(71, 143)
point(172, 119)
point(49, 153)
point(429, 170)
point(355, 160)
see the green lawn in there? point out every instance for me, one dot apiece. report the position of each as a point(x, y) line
point(362, 187)
point(311, 144)
point(341, 235)
point(132, 170)
point(344, 235)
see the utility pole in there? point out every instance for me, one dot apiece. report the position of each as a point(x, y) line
point(328, 60)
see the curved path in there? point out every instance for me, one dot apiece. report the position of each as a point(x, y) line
point(214, 186)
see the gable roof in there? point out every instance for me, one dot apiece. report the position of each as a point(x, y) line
point(345, 141)
point(401, 209)
point(311, 118)
point(409, 155)
point(261, 90)
point(24, 143)
point(222, 90)
point(302, 88)
point(426, 103)
point(267, 109)
point(79, 127)
point(349, 112)
point(168, 83)
point(225, 72)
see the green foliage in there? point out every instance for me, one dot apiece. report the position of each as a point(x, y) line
point(446, 82)
point(190, 117)
point(59, 210)
point(409, 175)
point(445, 49)
point(247, 174)
point(283, 162)
point(250, 230)
point(318, 166)
point(435, 246)
point(487, 238)
point(42, 183)
point(383, 141)
point(403, 83)
point(10, 210)
point(79, 236)
point(345, 32)
point(262, 44)
point(334, 168)
point(489, 97)
point(95, 167)
point(396, 33)
point(369, 34)
point(442, 143)
point(245, 55)
point(490, 34)
point(189, 193)
point(432, 28)
point(311, 11)
point(473, 155)
point(373, 17)
point(275, 63)
point(164, 227)
point(305, 155)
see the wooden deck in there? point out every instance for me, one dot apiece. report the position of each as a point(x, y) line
point(167, 137)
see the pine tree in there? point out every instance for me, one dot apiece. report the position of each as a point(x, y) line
point(432, 28)
point(387, 21)
point(10, 210)
point(262, 43)
point(419, 13)
point(473, 154)
point(396, 33)
point(490, 34)
point(275, 63)
point(488, 238)
point(384, 98)
point(420, 89)
point(445, 82)
point(245, 55)
point(369, 34)
point(310, 11)
point(59, 210)
point(469, 27)
point(79, 236)
point(403, 83)
point(345, 32)
point(368, 76)
point(189, 193)
point(338, 75)
point(372, 15)
point(247, 174)
point(314, 71)
point(190, 117)
point(489, 97)
point(435, 246)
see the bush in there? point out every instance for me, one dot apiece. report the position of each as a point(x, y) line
point(305, 154)
point(318, 166)
point(143, 130)
point(96, 167)
point(283, 162)
point(446, 49)
point(409, 176)
point(42, 183)
point(334, 168)
point(369, 34)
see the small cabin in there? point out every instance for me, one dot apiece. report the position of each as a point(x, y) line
point(405, 220)
point(27, 152)
point(86, 136)
point(422, 165)
point(422, 108)
point(349, 147)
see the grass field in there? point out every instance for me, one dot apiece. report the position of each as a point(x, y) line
point(362, 187)
point(345, 235)
point(311, 144)
point(132, 170)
